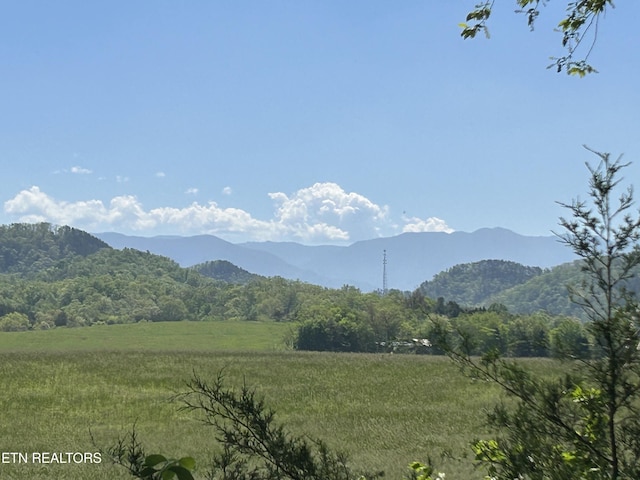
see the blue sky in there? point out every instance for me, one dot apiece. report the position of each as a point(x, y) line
point(314, 121)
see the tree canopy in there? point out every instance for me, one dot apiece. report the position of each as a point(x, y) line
point(474, 283)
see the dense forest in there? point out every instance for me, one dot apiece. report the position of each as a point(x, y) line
point(521, 289)
point(62, 277)
point(472, 284)
point(226, 271)
point(31, 248)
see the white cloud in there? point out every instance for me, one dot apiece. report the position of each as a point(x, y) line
point(35, 205)
point(127, 213)
point(161, 174)
point(322, 213)
point(325, 209)
point(227, 191)
point(431, 224)
point(80, 170)
point(191, 191)
point(121, 179)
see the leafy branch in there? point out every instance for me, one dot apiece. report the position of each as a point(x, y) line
point(254, 445)
point(578, 27)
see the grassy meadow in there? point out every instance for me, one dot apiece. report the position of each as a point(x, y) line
point(62, 386)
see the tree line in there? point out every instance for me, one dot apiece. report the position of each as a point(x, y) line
point(62, 277)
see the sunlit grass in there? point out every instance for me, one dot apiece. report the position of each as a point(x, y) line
point(384, 410)
point(214, 336)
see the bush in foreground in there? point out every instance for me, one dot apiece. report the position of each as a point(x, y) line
point(253, 445)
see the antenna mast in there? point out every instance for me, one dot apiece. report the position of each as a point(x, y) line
point(384, 272)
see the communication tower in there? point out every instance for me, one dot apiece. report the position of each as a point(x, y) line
point(384, 272)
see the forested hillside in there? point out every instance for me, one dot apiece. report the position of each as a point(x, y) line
point(547, 292)
point(61, 277)
point(29, 248)
point(61, 287)
point(521, 289)
point(225, 271)
point(473, 284)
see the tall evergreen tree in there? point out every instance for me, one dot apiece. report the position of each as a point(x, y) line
point(586, 424)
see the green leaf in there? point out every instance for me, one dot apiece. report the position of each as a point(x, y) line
point(147, 472)
point(168, 474)
point(181, 472)
point(187, 462)
point(577, 71)
point(469, 32)
point(153, 460)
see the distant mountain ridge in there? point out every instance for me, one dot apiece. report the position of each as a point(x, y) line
point(412, 258)
point(191, 251)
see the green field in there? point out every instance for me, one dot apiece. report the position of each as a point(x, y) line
point(384, 410)
point(152, 337)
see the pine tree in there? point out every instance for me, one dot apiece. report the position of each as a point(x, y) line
point(586, 424)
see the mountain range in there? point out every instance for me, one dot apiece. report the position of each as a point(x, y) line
point(411, 258)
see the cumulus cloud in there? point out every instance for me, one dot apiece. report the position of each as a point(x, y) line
point(321, 213)
point(34, 205)
point(326, 210)
point(126, 212)
point(227, 191)
point(192, 191)
point(431, 224)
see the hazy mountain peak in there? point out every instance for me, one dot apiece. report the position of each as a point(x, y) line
point(412, 257)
